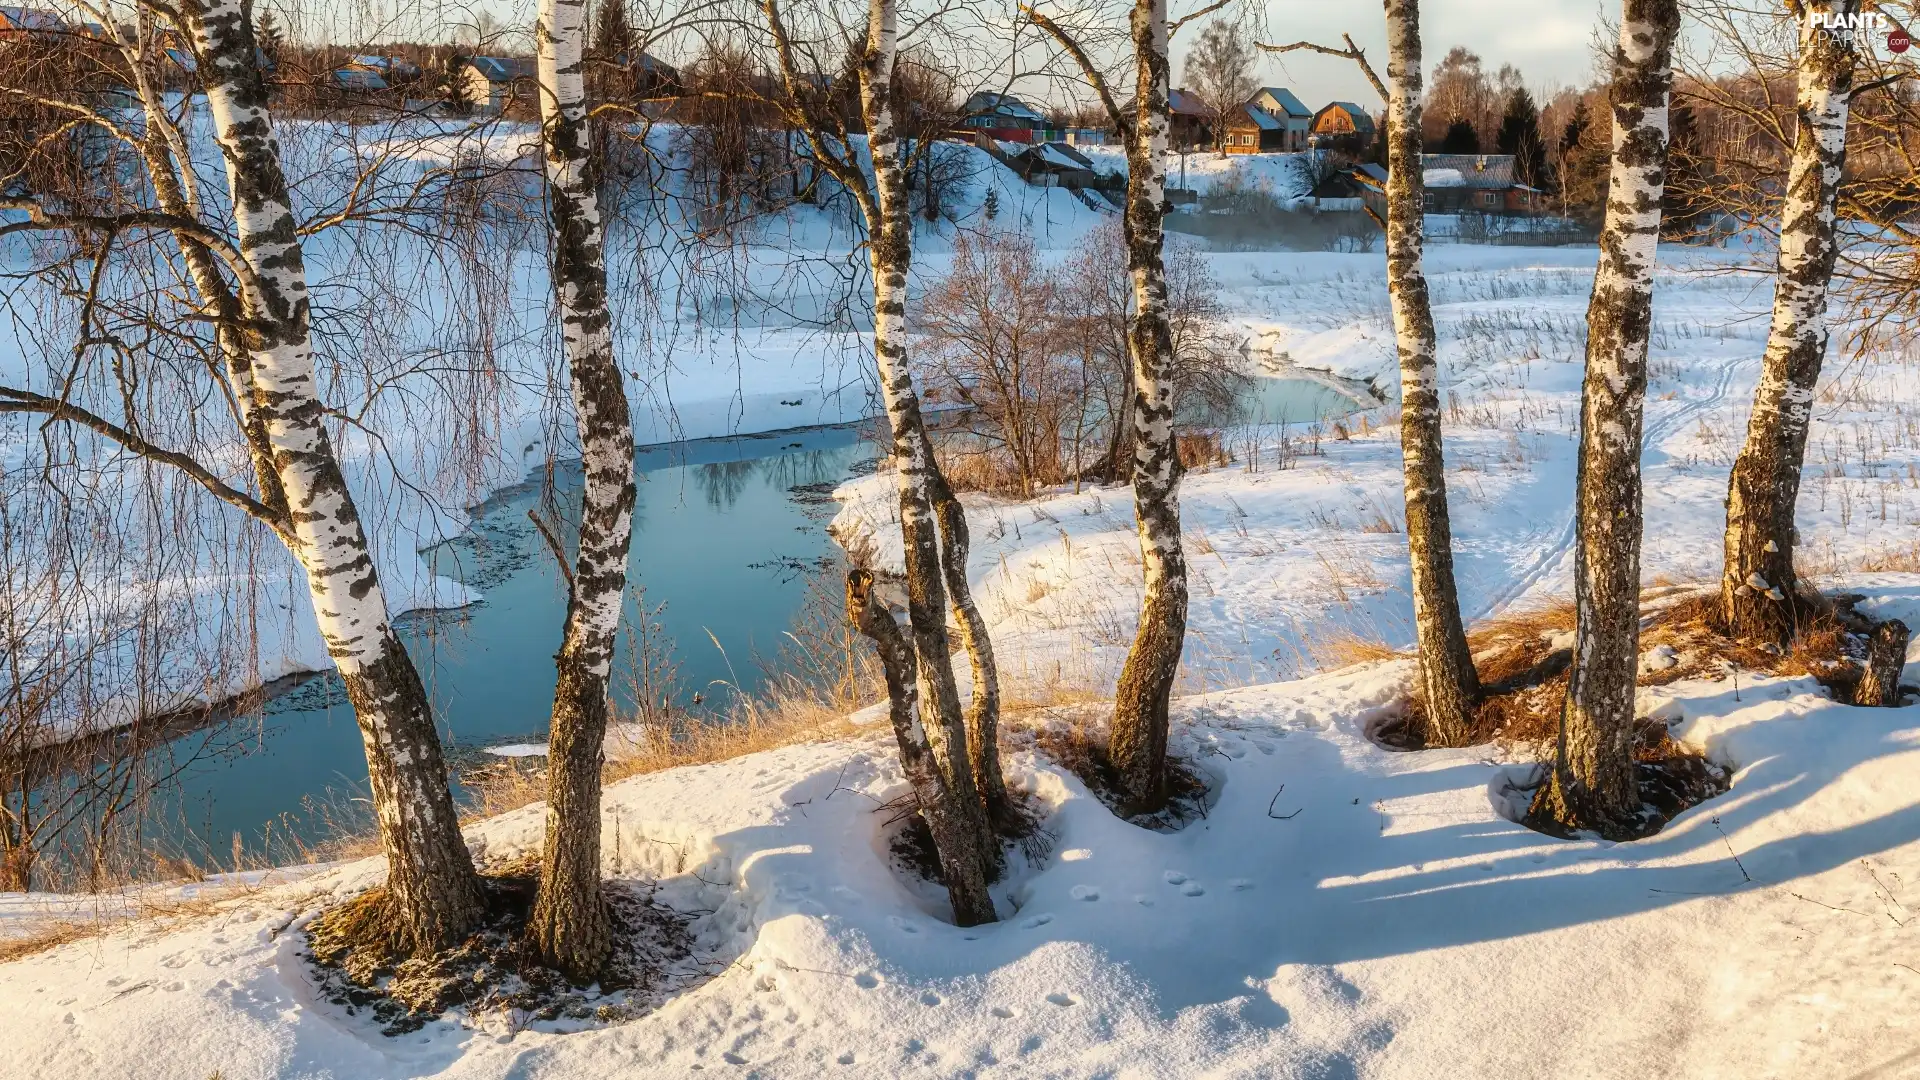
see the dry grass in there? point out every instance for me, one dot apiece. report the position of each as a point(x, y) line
point(1346, 648)
point(1523, 659)
point(135, 905)
point(1201, 450)
point(49, 935)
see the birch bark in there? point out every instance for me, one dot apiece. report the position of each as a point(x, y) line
point(1759, 590)
point(1450, 687)
point(1592, 785)
point(176, 192)
point(433, 891)
point(890, 247)
point(571, 925)
point(1139, 742)
point(961, 860)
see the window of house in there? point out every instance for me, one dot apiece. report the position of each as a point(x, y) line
point(1487, 198)
point(1427, 200)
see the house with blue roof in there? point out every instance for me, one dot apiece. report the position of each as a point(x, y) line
point(1293, 120)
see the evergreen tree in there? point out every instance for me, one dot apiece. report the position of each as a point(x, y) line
point(1461, 138)
point(991, 208)
point(1583, 166)
point(1520, 136)
point(269, 38)
point(454, 84)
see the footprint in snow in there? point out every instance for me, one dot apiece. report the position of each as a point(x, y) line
point(1062, 1000)
point(1239, 884)
point(866, 980)
point(929, 999)
point(903, 925)
point(846, 1058)
point(1002, 1012)
point(1192, 888)
point(1084, 892)
point(1035, 922)
point(1173, 877)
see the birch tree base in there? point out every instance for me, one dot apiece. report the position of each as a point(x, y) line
point(359, 966)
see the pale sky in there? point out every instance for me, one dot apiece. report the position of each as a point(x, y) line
point(1550, 41)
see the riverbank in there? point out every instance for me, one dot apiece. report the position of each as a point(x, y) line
point(1343, 910)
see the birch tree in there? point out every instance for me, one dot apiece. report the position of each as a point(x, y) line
point(571, 926)
point(962, 743)
point(1449, 683)
point(1759, 590)
point(1450, 687)
point(1592, 783)
point(1138, 744)
point(261, 309)
point(434, 893)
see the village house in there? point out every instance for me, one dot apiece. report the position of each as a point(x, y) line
point(357, 80)
point(1295, 119)
point(1251, 130)
point(1342, 125)
point(1190, 122)
point(491, 79)
point(1483, 183)
point(391, 69)
point(1458, 183)
point(1003, 117)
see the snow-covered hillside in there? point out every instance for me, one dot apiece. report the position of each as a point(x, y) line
point(1343, 911)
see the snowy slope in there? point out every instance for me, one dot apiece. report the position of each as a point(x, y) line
point(1342, 911)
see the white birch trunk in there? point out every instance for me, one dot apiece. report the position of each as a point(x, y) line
point(434, 893)
point(962, 862)
point(1140, 718)
point(1760, 591)
point(1593, 782)
point(890, 247)
point(571, 925)
point(1449, 685)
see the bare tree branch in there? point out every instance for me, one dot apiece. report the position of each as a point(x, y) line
point(1087, 67)
point(1351, 52)
point(14, 400)
point(1174, 26)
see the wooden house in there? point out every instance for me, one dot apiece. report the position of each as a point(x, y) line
point(1295, 120)
point(1476, 183)
point(491, 81)
point(1250, 130)
point(1342, 125)
point(1190, 123)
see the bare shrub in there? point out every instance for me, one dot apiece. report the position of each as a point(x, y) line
point(1041, 354)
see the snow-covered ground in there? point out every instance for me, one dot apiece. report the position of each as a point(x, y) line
point(1342, 911)
point(1287, 557)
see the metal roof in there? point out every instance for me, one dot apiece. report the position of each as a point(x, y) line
point(355, 79)
point(1257, 117)
point(1362, 119)
point(502, 69)
point(1471, 170)
point(1186, 104)
point(989, 104)
point(1283, 100)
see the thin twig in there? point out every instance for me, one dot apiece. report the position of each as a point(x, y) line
point(553, 545)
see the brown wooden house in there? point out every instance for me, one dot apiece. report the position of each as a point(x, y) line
point(1342, 125)
point(1254, 131)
